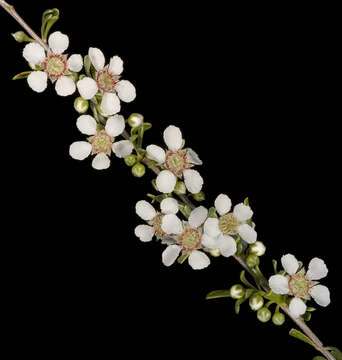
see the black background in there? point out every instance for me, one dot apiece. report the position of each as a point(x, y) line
point(254, 91)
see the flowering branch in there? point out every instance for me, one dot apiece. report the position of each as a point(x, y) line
point(215, 232)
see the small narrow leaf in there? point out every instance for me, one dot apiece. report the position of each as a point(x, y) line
point(246, 201)
point(87, 65)
point(245, 281)
point(275, 266)
point(49, 17)
point(184, 209)
point(133, 138)
point(146, 126)
point(310, 309)
point(319, 358)
point(300, 336)
point(212, 213)
point(183, 257)
point(216, 294)
point(22, 75)
point(237, 305)
point(335, 352)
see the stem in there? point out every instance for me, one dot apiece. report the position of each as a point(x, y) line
point(10, 9)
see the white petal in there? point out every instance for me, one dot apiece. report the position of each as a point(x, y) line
point(211, 227)
point(198, 216)
point(321, 295)
point(166, 181)
point(297, 307)
point(122, 148)
point(317, 269)
point(87, 88)
point(192, 157)
point(37, 81)
point(58, 42)
point(144, 232)
point(223, 204)
point(86, 124)
point(126, 90)
point(170, 254)
point(156, 153)
point(279, 284)
point(169, 206)
point(227, 245)
point(193, 180)
point(79, 150)
point(242, 212)
point(210, 242)
point(75, 63)
point(65, 86)
point(171, 224)
point(290, 264)
point(115, 125)
point(145, 210)
point(34, 53)
point(173, 138)
point(101, 162)
point(198, 260)
point(115, 65)
point(247, 233)
point(110, 104)
point(97, 58)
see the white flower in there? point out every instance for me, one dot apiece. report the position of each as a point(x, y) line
point(102, 142)
point(177, 163)
point(301, 285)
point(107, 81)
point(55, 66)
point(230, 223)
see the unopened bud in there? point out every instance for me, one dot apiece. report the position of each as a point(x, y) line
point(278, 319)
point(81, 105)
point(256, 302)
point(264, 314)
point(138, 170)
point(130, 160)
point(215, 252)
point(20, 36)
point(180, 188)
point(135, 120)
point(258, 248)
point(237, 291)
point(252, 261)
point(199, 196)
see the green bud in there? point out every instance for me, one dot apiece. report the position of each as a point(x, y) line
point(130, 160)
point(180, 188)
point(264, 314)
point(20, 36)
point(215, 252)
point(199, 196)
point(237, 291)
point(138, 170)
point(258, 248)
point(256, 302)
point(135, 120)
point(81, 105)
point(278, 318)
point(252, 261)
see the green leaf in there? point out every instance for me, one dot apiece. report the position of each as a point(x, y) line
point(49, 17)
point(22, 75)
point(87, 65)
point(245, 281)
point(246, 201)
point(300, 336)
point(212, 213)
point(184, 209)
point(275, 266)
point(310, 309)
point(335, 352)
point(216, 294)
point(237, 305)
point(133, 138)
point(319, 358)
point(307, 316)
point(146, 126)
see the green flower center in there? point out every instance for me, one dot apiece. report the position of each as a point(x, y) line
point(106, 81)
point(299, 285)
point(55, 66)
point(101, 142)
point(228, 224)
point(176, 161)
point(190, 239)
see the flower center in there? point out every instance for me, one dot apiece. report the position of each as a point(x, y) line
point(228, 224)
point(106, 81)
point(176, 161)
point(190, 239)
point(55, 66)
point(156, 223)
point(299, 285)
point(101, 142)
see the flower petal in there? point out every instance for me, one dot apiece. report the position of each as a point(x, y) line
point(210, 242)
point(122, 148)
point(166, 181)
point(198, 216)
point(279, 284)
point(156, 153)
point(173, 137)
point(110, 104)
point(242, 212)
point(58, 42)
point(192, 157)
point(247, 233)
point(87, 88)
point(227, 245)
point(193, 180)
point(75, 63)
point(223, 204)
point(198, 260)
point(170, 254)
point(115, 65)
point(317, 269)
point(97, 58)
point(290, 264)
point(171, 224)
point(37, 81)
point(79, 150)
point(297, 307)
point(145, 210)
point(126, 90)
point(321, 295)
point(86, 124)
point(144, 232)
point(115, 125)
point(211, 227)
point(101, 162)
point(34, 53)
point(65, 86)
point(169, 206)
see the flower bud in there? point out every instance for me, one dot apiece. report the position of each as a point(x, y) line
point(20, 36)
point(130, 160)
point(278, 318)
point(138, 170)
point(237, 291)
point(256, 302)
point(215, 252)
point(81, 105)
point(252, 261)
point(258, 248)
point(135, 120)
point(264, 314)
point(199, 196)
point(180, 188)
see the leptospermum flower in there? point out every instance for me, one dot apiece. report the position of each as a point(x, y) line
point(100, 143)
point(177, 163)
point(230, 223)
point(55, 65)
point(107, 81)
point(300, 284)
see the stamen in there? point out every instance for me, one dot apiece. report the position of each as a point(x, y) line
point(190, 239)
point(101, 142)
point(176, 161)
point(55, 66)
